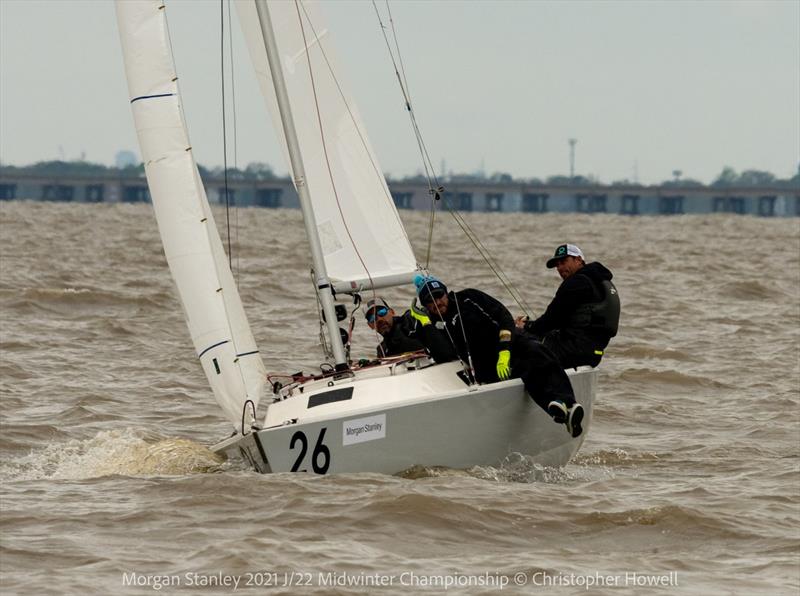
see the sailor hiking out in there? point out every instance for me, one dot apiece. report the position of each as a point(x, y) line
point(482, 333)
point(584, 314)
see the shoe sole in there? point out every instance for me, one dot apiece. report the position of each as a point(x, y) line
point(574, 422)
point(557, 414)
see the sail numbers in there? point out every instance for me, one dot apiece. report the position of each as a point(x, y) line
point(321, 452)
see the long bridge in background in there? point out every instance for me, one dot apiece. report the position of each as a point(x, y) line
point(465, 196)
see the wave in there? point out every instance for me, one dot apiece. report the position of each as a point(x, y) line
point(667, 377)
point(673, 518)
point(516, 467)
point(642, 351)
point(117, 452)
point(17, 438)
point(50, 299)
point(749, 290)
point(11, 370)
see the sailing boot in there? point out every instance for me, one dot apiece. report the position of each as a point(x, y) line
point(574, 419)
point(558, 411)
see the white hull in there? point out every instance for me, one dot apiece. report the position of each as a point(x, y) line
point(388, 419)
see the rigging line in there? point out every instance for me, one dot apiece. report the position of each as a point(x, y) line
point(397, 49)
point(204, 205)
point(487, 256)
point(235, 139)
point(234, 338)
point(328, 350)
point(427, 164)
point(490, 260)
point(412, 113)
point(430, 234)
point(353, 119)
point(298, 5)
point(464, 334)
point(325, 145)
point(465, 365)
point(408, 92)
point(426, 161)
point(233, 89)
point(492, 263)
point(430, 171)
point(224, 128)
point(363, 144)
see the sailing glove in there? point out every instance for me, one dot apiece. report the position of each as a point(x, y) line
point(419, 313)
point(504, 361)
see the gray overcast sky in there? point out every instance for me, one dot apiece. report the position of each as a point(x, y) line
point(645, 87)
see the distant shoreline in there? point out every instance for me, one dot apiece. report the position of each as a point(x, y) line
point(750, 193)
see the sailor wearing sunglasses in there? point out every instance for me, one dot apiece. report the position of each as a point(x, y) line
point(398, 332)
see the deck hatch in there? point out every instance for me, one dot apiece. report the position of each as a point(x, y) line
point(330, 396)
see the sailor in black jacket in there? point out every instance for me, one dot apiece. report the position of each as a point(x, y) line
point(480, 328)
point(482, 333)
point(404, 334)
point(398, 333)
point(584, 314)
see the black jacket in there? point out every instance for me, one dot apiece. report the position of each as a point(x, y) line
point(401, 338)
point(583, 287)
point(473, 321)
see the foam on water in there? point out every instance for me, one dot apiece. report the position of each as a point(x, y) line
point(125, 452)
point(614, 457)
point(519, 468)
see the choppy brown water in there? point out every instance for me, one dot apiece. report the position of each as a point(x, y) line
point(691, 467)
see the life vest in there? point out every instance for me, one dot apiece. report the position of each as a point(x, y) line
point(602, 315)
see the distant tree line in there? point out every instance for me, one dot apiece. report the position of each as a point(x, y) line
point(85, 169)
point(73, 168)
point(257, 172)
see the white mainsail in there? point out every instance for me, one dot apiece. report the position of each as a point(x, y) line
point(357, 223)
point(197, 260)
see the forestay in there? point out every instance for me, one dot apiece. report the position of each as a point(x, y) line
point(360, 231)
point(197, 260)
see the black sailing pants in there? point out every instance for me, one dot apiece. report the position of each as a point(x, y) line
point(540, 371)
point(573, 349)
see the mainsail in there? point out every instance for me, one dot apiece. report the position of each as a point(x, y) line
point(360, 232)
point(197, 260)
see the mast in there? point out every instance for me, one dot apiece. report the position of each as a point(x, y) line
point(324, 289)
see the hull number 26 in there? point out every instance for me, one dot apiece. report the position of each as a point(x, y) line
point(320, 457)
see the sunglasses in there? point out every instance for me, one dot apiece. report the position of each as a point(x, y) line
point(380, 312)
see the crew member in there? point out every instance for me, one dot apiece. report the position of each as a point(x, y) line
point(482, 332)
point(584, 314)
point(398, 332)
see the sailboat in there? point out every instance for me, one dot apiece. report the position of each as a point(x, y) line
point(385, 417)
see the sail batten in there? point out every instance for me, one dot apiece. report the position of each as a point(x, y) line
point(192, 245)
point(360, 231)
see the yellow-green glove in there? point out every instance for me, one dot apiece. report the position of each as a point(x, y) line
point(503, 364)
point(419, 313)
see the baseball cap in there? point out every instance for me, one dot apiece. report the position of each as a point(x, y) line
point(563, 251)
point(375, 303)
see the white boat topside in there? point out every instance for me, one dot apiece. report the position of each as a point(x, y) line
point(388, 385)
point(390, 417)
